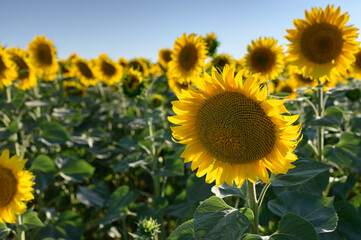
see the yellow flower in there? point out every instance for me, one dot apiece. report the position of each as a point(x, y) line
point(123, 62)
point(132, 82)
point(356, 66)
point(176, 84)
point(287, 86)
point(232, 131)
point(265, 57)
point(164, 57)
point(140, 65)
point(42, 55)
point(188, 57)
point(72, 88)
point(107, 70)
point(84, 70)
point(211, 43)
point(321, 45)
point(221, 60)
point(25, 78)
point(7, 69)
point(156, 100)
point(16, 187)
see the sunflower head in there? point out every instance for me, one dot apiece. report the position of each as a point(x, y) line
point(287, 86)
point(133, 83)
point(16, 187)
point(72, 88)
point(7, 69)
point(265, 57)
point(25, 78)
point(42, 55)
point(356, 66)
point(156, 100)
point(140, 65)
point(221, 60)
point(176, 84)
point(322, 46)
point(211, 43)
point(84, 70)
point(188, 56)
point(232, 130)
point(164, 57)
point(123, 62)
point(107, 70)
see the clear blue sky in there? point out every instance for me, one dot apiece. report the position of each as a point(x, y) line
point(139, 28)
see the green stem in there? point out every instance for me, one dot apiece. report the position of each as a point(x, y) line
point(20, 229)
point(8, 94)
point(320, 129)
point(263, 193)
point(37, 96)
point(125, 231)
point(252, 203)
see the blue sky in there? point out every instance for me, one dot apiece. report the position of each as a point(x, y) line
point(139, 28)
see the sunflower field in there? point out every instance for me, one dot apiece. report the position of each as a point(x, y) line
point(198, 145)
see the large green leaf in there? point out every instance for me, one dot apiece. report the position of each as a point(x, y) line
point(18, 100)
point(43, 163)
point(332, 118)
point(90, 197)
point(74, 169)
point(197, 189)
point(349, 225)
point(294, 227)
point(305, 170)
point(54, 132)
point(184, 232)
point(225, 190)
point(4, 230)
point(31, 220)
point(350, 142)
point(317, 210)
point(214, 219)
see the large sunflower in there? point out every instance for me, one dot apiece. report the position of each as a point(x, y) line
point(7, 69)
point(188, 56)
point(265, 57)
point(232, 131)
point(84, 70)
point(107, 70)
point(321, 45)
point(26, 77)
point(16, 187)
point(42, 55)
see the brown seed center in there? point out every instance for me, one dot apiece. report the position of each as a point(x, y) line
point(8, 186)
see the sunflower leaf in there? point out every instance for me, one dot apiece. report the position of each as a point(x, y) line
point(214, 219)
point(317, 210)
point(185, 232)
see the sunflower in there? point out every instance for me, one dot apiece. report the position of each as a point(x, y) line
point(107, 70)
point(211, 43)
point(221, 60)
point(265, 57)
point(356, 66)
point(16, 187)
point(140, 65)
point(322, 46)
point(42, 55)
point(164, 57)
point(25, 78)
point(287, 86)
point(156, 100)
point(133, 82)
point(84, 70)
point(176, 84)
point(72, 88)
point(123, 62)
point(7, 69)
point(232, 131)
point(188, 57)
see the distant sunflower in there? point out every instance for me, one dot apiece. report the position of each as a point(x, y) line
point(42, 55)
point(188, 56)
point(232, 131)
point(221, 60)
point(140, 65)
point(287, 86)
point(211, 43)
point(84, 70)
point(26, 77)
point(133, 82)
point(164, 57)
point(356, 66)
point(16, 187)
point(265, 57)
point(176, 84)
point(7, 69)
point(322, 46)
point(156, 100)
point(123, 62)
point(107, 70)
point(72, 88)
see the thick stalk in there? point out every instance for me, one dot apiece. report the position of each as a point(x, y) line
point(8, 94)
point(252, 203)
point(20, 229)
point(320, 129)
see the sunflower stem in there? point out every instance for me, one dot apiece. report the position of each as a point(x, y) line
point(252, 203)
point(37, 96)
point(320, 129)
point(8, 94)
point(20, 229)
point(263, 193)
